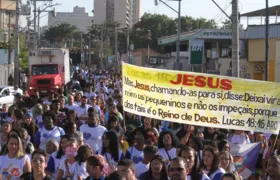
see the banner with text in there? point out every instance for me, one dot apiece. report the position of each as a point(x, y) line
point(201, 99)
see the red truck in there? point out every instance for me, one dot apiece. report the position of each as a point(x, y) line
point(49, 69)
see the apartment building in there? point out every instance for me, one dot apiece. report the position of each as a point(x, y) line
point(126, 12)
point(6, 6)
point(78, 18)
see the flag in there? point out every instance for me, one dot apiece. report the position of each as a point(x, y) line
point(245, 157)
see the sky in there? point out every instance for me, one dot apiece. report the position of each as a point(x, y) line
point(195, 8)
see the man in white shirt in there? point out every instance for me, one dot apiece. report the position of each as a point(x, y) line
point(71, 105)
point(92, 131)
point(143, 166)
point(89, 92)
point(82, 110)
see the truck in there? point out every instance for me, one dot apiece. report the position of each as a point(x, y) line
point(49, 69)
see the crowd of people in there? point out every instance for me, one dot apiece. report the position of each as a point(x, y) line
point(82, 132)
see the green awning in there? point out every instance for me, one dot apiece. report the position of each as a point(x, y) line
point(173, 39)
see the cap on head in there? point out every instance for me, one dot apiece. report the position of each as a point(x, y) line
point(28, 114)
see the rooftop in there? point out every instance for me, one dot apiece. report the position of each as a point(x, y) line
point(273, 11)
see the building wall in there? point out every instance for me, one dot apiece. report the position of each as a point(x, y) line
point(277, 62)
point(99, 11)
point(78, 18)
point(256, 50)
point(122, 12)
point(136, 11)
point(4, 18)
point(248, 70)
point(126, 12)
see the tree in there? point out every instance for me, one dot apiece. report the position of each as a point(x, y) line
point(23, 53)
point(60, 34)
point(158, 25)
point(161, 25)
point(227, 24)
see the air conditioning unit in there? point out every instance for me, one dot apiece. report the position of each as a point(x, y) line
point(26, 10)
point(46, 52)
point(160, 61)
point(153, 60)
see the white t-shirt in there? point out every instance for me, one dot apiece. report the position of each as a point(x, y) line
point(111, 160)
point(141, 168)
point(82, 112)
point(89, 95)
point(93, 136)
point(47, 102)
point(72, 107)
point(72, 169)
point(135, 155)
point(78, 103)
point(171, 153)
point(238, 139)
point(12, 166)
point(56, 163)
point(203, 177)
point(39, 121)
point(82, 170)
point(45, 135)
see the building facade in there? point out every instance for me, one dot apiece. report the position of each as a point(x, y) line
point(4, 16)
point(78, 18)
point(126, 12)
point(208, 51)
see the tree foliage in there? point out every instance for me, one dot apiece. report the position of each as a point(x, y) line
point(60, 34)
point(23, 53)
point(162, 25)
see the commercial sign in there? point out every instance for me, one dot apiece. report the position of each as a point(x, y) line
point(196, 51)
point(202, 99)
point(215, 34)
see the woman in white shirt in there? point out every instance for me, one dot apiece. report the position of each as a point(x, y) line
point(167, 145)
point(210, 164)
point(84, 152)
point(110, 149)
point(14, 162)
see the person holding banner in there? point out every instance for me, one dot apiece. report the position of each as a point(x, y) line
point(135, 153)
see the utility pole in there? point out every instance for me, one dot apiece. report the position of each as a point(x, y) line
point(116, 47)
point(9, 47)
point(16, 60)
point(35, 7)
point(101, 50)
point(235, 39)
point(127, 43)
point(89, 56)
point(177, 65)
point(38, 42)
point(266, 40)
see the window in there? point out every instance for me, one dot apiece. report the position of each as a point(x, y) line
point(46, 69)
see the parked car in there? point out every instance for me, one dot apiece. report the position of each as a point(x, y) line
point(7, 95)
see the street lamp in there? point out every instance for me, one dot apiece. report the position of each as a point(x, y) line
point(177, 64)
